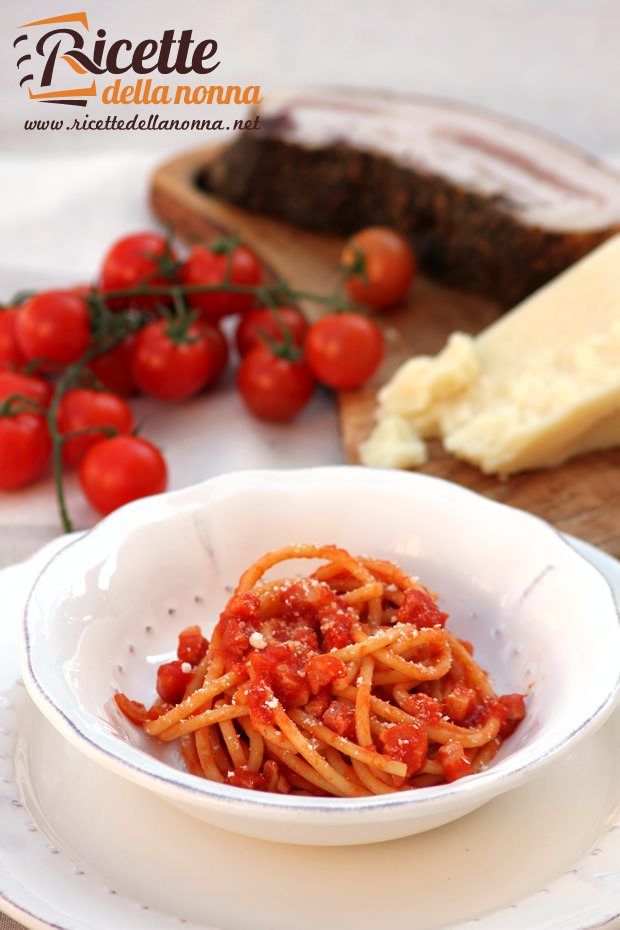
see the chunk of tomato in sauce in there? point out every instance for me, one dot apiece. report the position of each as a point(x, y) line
point(318, 704)
point(419, 609)
point(136, 712)
point(172, 682)
point(322, 670)
point(406, 743)
point(454, 761)
point(316, 606)
point(239, 619)
point(459, 703)
point(242, 778)
point(340, 717)
point(510, 708)
point(301, 601)
point(262, 702)
point(192, 646)
point(336, 623)
point(423, 707)
point(281, 666)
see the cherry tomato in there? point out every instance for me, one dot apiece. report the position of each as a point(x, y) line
point(25, 447)
point(81, 409)
point(277, 324)
point(11, 356)
point(53, 326)
point(133, 260)
point(219, 350)
point(122, 469)
point(113, 368)
point(11, 382)
point(344, 350)
point(274, 388)
point(389, 265)
point(205, 266)
point(169, 367)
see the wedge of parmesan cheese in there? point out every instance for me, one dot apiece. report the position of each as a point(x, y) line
point(540, 385)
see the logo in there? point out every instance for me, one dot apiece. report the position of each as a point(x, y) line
point(61, 62)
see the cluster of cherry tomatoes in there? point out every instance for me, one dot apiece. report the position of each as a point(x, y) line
point(64, 383)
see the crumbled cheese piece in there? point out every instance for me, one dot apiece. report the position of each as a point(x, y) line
point(257, 640)
point(186, 668)
point(272, 702)
point(538, 386)
point(393, 444)
point(425, 382)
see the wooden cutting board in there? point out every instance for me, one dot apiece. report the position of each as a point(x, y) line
point(581, 497)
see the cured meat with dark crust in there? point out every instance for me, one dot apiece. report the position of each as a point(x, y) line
point(491, 206)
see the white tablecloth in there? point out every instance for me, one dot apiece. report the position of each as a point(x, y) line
point(201, 438)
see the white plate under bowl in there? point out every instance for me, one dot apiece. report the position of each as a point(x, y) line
point(81, 849)
point(107, 609)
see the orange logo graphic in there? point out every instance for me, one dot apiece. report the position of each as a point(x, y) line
point(47, 47)
point(68, 59)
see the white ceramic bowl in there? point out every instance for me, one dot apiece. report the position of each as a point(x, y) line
point(107, 609)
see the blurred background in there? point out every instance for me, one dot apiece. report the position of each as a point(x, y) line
point(67, 195)
point(552, 62)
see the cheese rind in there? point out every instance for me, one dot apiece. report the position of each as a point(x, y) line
point(537, 387)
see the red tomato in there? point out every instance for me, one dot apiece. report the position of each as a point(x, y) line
point(407, 743)
point(454, 761)
point(419, 609)
point(459, 703)
point(388, 265)
point(54, 326)
point(204, 267)
point(192, 646)
point(321, 671)
point(11, 356)
point(344, 350)
point(242, 778)
point(219, 350)
point(340, 717)
point(169, 367)
point(81, 409)
point(113, 368)
point(25, 447)
point(274, 388)
point(172, 682)
point(277, 323)
point(510, 708)
point(133, 260)
point(118, 470)
point(11, 382)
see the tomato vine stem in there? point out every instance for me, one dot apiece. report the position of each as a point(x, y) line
point(110, 327)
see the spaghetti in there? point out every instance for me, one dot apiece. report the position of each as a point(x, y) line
point(343, 683)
